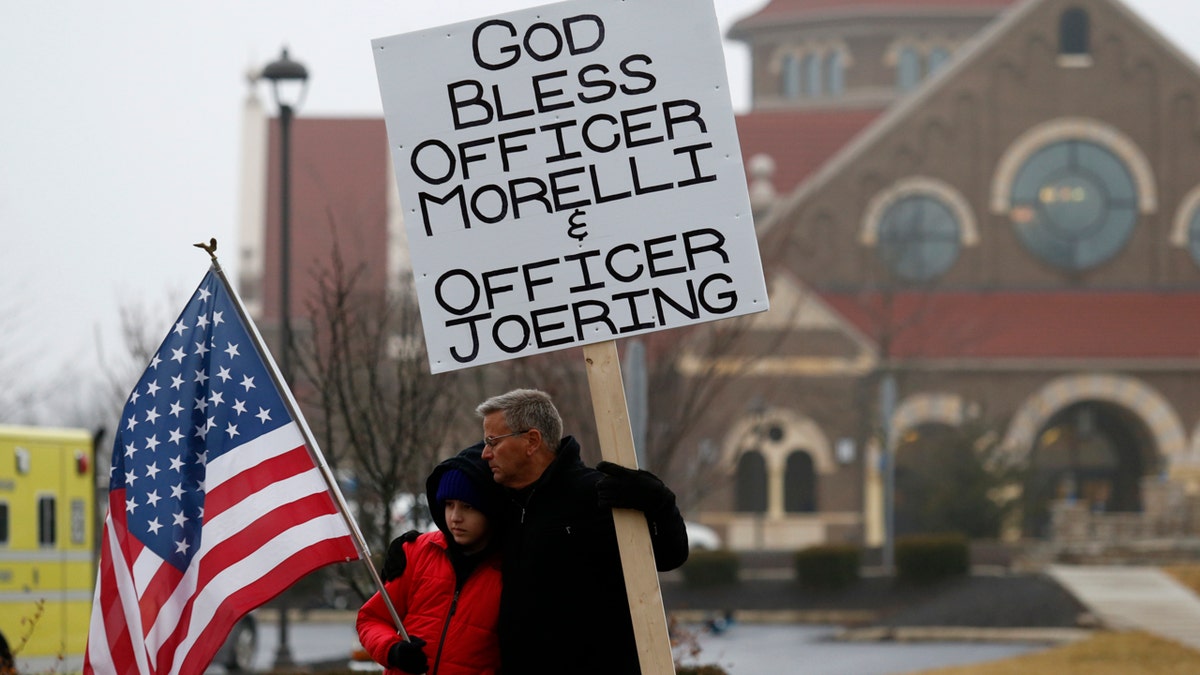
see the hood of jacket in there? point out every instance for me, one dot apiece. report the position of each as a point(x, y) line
point(470, 461)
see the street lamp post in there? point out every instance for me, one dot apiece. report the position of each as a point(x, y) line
point(289, 83)
point(887, 410)
point(758, 411)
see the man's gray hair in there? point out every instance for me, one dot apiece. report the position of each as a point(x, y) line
point(527, 409)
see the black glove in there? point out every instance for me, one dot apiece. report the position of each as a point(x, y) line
point(395, 561)
point(624, 488)
point(409, 656)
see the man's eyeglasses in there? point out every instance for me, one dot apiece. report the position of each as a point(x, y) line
point(492, 440)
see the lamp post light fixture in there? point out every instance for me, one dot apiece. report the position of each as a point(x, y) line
point(887, 412)
point(289, 84)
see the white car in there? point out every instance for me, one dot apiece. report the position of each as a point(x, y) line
point(702, 537)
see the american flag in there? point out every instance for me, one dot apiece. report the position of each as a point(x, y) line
point(215, 503)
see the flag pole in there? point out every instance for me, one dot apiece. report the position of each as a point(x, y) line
point(310, 442)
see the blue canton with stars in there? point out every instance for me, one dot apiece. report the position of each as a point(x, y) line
point(205, 392)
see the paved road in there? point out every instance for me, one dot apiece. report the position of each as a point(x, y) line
point(744, 649)
point(766, 649)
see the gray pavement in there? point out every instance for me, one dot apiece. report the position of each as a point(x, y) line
point(743, 649)
point(1143, 598)
point(750, 649)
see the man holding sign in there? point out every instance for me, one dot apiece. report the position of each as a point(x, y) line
point(570, 175)
point(563, 607)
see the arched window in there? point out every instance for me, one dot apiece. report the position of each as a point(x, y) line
point(908, 69)
point(751, 486)
point(800, 484)
point(1073, 32)
point(919, 237)
point(812, 75)
point(1074, 204)
point(790, 75)
point(1193, 237)
point(834, 75)
point(938, 57)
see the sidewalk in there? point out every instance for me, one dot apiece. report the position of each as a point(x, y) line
point(1142, 598)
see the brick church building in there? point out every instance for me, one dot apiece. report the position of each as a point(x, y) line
point(975, 213)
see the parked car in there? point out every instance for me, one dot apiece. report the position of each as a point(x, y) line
point(702, 537)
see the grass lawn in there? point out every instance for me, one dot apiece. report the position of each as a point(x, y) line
point(1188, 575)
point(1105, 653)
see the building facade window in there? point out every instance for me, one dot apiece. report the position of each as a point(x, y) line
point(1073, 32)
point(812, 74)
point(938, 57)
point(751, 485)
point(919, 237)
point(800, 483)
point(835, 75)
point(1074, 204)
point(908, 69)
point(1193, 235)
point(790, 76)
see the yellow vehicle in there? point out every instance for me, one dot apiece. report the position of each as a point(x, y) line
point(47, 569)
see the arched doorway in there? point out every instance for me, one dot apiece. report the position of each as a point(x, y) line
point(1092, 453)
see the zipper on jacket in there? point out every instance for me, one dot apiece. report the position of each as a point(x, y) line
point(528, 500)
point(445, 629)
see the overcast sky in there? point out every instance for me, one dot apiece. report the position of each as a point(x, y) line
point(120, 132)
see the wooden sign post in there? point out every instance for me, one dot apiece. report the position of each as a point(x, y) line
point(637, 555)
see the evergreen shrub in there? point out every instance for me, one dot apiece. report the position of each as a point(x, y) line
point(928, 558)
point(831, 566)
point(710, 568)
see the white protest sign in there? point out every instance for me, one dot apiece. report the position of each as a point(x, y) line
point(568, 174)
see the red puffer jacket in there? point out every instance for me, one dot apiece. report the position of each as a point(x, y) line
point(459, 629)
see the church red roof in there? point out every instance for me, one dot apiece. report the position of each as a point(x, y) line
point(1028, 325)
point(799, 141)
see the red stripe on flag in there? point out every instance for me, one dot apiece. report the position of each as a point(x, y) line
point(245, 542)
point(285, 517)
point(238, 604)
point(164, 582)
point(166, 653)
point(116, 630)
point(267, 472)
point(220, 554)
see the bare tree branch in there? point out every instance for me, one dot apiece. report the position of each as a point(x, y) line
point(363, 375)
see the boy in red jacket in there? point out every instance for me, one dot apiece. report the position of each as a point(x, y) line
point(448, 591)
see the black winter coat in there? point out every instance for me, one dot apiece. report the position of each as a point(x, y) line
point(563, 608)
